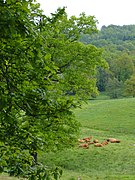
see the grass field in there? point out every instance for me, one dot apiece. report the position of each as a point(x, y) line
point(101, 119)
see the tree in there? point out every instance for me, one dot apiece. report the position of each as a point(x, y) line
point(42, 62)
point(114, 88)
point(130, 86)
point(103, 75)
point(122, 67)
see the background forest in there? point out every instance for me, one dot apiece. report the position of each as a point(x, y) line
point(118, 43)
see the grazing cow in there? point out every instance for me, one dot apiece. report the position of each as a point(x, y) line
point(104, 143)
point(87, 139)
point(95, 141)
point(98, 145)
point(86, 146)
point(113, 140)
point(81, 140)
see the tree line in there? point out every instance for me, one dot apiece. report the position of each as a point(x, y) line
point(118, 43)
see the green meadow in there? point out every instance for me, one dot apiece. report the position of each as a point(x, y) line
point(102, 119)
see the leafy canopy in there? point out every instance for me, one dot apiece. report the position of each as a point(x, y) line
point(44, 72)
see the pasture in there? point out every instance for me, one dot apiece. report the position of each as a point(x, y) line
point(102, 119)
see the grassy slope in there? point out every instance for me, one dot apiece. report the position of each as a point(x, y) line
point(102, 119)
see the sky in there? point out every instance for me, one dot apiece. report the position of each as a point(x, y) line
point(116, 12)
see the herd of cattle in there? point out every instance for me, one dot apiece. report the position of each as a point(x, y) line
point(87, 141)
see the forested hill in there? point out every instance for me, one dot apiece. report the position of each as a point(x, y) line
point(122, 37)
point(118, 43)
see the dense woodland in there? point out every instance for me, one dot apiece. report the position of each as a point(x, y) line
point(118, 43)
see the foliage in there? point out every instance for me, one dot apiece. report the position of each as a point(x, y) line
point(42, 63)
point(122, 67)
point(121, 37)
point(118, 43)
point(103, 76)
point(130, 86)
point(114, 88)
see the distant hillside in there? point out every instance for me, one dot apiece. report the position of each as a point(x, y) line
point(123, 37)
point(118, 43)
